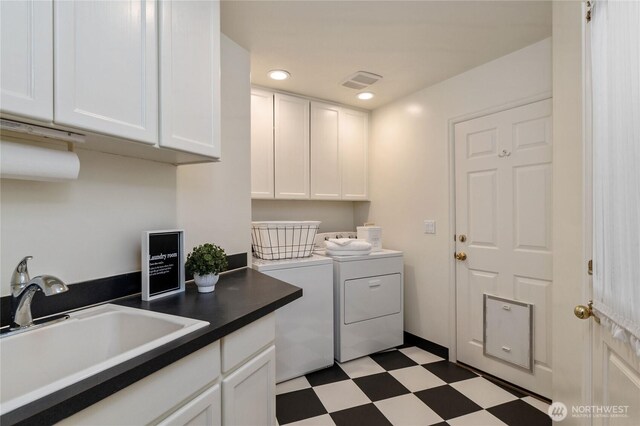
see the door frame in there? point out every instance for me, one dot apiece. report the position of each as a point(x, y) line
point(453, 327)
point(587, 208)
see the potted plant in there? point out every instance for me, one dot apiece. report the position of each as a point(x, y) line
point(205, 262)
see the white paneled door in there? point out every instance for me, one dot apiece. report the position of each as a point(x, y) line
point(503, 226)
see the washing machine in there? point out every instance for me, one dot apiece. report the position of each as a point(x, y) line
point(304, 327)
point(368, 303)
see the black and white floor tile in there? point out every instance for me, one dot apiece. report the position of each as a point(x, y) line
point(404, 387)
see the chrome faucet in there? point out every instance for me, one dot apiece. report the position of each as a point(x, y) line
point(22, 290)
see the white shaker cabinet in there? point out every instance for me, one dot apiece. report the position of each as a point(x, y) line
point(231, 381)
point(26, 58)
point(354, 128)
point(248, 394)
point(338, 153)
point(314, 151)
point(291, 166)
point(106, 67)
point(261, 144)
point(190, 76)
point(325, 152)
point(172, 390)
point(203, 410)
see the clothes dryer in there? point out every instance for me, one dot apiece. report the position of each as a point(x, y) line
point(368, 303)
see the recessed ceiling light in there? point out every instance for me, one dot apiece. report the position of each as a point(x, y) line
point(365, 96)
point(279, 74)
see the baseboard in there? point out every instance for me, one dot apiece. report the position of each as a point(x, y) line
point(505, 384)
point(434, 348)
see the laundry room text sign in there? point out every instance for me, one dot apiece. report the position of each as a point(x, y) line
point(162, 263)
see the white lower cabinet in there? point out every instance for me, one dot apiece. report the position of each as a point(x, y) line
point(229, 382)
point(248, 394)
point(203, 410)
point(158, 395)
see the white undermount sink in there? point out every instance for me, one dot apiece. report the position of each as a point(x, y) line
point(38, 362)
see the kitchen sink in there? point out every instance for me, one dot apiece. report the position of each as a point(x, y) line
point(38, 362)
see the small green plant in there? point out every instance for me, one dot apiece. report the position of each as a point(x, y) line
point(206, 259)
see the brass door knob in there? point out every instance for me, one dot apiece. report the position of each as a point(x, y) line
point(585, 312)
point(460, 256)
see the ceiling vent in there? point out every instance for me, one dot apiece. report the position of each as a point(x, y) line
point(361, 80)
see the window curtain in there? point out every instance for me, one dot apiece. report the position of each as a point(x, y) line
point(615, 66)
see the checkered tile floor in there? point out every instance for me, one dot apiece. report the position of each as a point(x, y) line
point(404, 387)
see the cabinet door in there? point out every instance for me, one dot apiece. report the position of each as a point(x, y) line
point(190, 76)
point(354, 126)
point(325, 152)
point(106, 71)
point(261, 144)
point(26, 58)
point(249, 393)
point(203, 410)
point(291, 147)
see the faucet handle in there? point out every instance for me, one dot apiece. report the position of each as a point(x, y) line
point(21, 275)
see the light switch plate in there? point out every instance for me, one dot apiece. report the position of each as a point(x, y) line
point(429, 226)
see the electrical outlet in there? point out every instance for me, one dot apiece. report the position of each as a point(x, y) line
point(429, 226)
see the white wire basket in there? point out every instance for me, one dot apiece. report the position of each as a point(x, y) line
point(275, 240)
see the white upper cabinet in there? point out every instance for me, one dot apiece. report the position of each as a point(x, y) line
point(354, 128)
point(325, 152)
point(106, 67)
point(190, 76)
point(26, 58)
point(261, 144)
point(291, 147)
point(319, 151)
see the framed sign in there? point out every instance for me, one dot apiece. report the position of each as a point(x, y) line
point(162, 263)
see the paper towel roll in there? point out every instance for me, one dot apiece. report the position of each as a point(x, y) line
point(28, 162)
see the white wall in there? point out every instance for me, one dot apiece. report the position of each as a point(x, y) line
point(334, 215)
point(409, 173)
point(214, 203)
point(89, 228)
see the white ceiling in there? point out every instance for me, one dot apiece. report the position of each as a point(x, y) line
point(412, 44)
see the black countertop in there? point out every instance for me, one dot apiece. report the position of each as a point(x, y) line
point(241, 297)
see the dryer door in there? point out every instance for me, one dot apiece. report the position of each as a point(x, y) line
point(372, 297)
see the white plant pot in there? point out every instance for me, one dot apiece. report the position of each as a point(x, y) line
point(206, 283)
